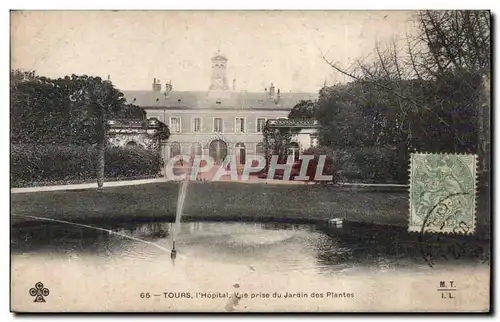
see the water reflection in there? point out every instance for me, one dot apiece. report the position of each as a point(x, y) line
point(150, 231)
point(383, 248)
point(273, 246)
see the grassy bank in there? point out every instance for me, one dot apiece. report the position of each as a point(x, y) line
point(226, 201)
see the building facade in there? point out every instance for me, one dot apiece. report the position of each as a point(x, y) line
point(219, 121)
point(305, 134)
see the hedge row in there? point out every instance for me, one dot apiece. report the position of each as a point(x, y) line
point(51, 163)
point(365, 164)
point(374, 165)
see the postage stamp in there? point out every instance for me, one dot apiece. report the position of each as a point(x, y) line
point(442, 193)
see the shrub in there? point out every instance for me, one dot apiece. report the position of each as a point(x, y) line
point(130, 162)
point(330, 164)
point(375, 165)
point(51, 163)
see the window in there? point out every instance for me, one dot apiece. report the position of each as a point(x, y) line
point(196, 124)
point(240, 147)
point(175, 124)
point(217, 124)
point(261, 122)
point(240, 125)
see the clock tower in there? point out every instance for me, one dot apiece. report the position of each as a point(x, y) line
point(219, 79)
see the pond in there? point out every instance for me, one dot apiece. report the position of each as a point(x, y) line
point(116, 267)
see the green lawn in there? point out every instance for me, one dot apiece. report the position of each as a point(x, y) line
point(225, 201)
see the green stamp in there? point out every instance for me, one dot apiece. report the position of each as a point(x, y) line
point(442, 193)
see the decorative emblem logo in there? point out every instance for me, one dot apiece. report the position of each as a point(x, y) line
point(39, 292)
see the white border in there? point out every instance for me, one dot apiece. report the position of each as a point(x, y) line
point(250, 5)
point(190, 4)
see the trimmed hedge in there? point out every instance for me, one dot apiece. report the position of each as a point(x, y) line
point(364, 164)
point(51, 163)
point(374, 165)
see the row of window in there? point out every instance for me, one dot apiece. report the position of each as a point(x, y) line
point(220, 147)
point(217, 126)
point(175, 148)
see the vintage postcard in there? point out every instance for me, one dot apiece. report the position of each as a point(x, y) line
point(250, 161)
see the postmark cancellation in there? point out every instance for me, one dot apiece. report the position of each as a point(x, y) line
point(442, 193)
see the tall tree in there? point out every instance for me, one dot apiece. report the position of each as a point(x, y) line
point(423, 89)
point(455, 39)
point(63, 110)
point(70, 110)
point(460, 40)
point(303, 110)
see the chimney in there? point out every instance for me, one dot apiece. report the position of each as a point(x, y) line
point(168, 87)
point(278, 96)
point(234, 84)
point(271, 91)
point(156, 85)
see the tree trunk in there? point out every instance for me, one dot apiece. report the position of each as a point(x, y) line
point(100, 166)
point(100, 155)
point(484, 131)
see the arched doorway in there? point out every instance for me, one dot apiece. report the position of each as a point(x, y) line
point(240, 147)
point(217, 150)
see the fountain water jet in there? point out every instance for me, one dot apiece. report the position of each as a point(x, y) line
point(180, 206)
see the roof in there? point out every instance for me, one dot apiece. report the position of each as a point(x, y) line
point(219, 57)
point(199, 99)
point(126, 123)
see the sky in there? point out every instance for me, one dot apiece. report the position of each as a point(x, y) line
point(133, 47)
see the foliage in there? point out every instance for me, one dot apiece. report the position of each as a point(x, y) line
point(129, 162)
point(376, 165)
point(346, 114)
point(276, 142)
point(69, 110)
point(444, 117)
point(455, 40)
point(303, 110)
point(51, 163)
point(163, 132)
point(433, 97)
point(331, 165)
